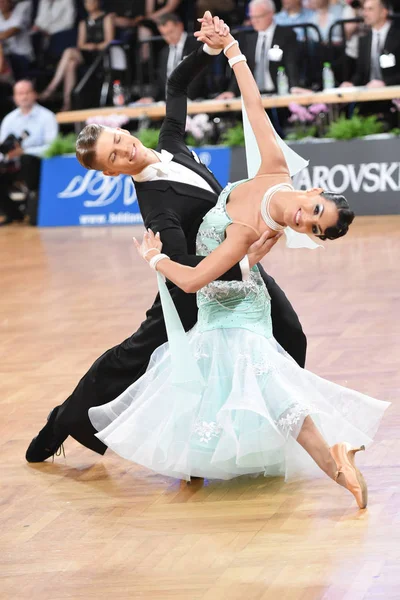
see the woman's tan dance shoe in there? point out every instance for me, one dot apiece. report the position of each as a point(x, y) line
point(343, 454)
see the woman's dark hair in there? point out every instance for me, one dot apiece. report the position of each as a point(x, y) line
point(345, 218)
point(86, 145)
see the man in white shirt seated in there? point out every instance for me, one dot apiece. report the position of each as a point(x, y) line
point(54, 29)
point(14, 36)
point(25, 134)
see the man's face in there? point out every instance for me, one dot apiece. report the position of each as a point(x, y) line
point(119, 152)
point(24, 95)
point(374, 13)
point(291, 5)
point(5, 6)
point(171, 32)
point(261, 17)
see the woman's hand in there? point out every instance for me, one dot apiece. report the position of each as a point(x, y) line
point(150, 246)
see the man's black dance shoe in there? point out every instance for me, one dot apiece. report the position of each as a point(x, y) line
point(48, 441)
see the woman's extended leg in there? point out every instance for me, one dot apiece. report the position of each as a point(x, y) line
point(337, 462)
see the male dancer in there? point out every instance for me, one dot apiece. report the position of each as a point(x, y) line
point(174, 193)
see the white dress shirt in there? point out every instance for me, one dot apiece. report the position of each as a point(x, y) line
point(20, 18)
point(175, 54)
point(378, 43)
point(40, 123)
point(268, 35)
point(170, 170)
point(55, 15)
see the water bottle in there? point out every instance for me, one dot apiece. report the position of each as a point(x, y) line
point(282, 82)
point(118, 94)
point(328, 78)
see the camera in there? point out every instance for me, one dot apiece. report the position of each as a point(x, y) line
point(10, 143)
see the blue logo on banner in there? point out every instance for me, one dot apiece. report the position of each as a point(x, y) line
point(71, 195)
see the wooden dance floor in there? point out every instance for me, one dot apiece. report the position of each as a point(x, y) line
point(100, 527)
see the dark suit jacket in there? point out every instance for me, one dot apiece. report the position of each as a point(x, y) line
point(285, 38)
point(176, 209)
point(391, 76)
point(197, 86)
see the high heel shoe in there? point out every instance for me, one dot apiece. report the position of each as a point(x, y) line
point(343, 455)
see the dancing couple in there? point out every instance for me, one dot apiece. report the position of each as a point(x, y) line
point(230, 397)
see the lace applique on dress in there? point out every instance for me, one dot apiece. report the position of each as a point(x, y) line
point(290, 422)
point(260, 367)
point(206, 430)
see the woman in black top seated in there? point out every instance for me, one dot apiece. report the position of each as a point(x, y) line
point(94, 34)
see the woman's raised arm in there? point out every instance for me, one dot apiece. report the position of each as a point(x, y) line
point(272, 158)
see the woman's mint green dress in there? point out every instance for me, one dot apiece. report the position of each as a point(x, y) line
point(225, 399)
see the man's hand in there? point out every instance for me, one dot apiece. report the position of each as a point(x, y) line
point(225, 96)
point(375, 83)
point(214, 32)
point(262, 246)
point(15, 152)
point(346, 84)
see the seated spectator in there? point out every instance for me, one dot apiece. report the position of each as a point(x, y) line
point(178, 45)
point(267, 48)
point(14, 36)
point(158, 8)
point(225, 9)
point(378, 62)
point(293, 13)
point(54, 28)
point(94, 34)
point(324, 16)
point(352, 10)
point(54, 16)
point(38, 128)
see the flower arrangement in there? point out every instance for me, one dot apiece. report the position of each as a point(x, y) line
point(308, 121)
point(198, 129)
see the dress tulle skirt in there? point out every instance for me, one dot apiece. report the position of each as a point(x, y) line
point(243, 417)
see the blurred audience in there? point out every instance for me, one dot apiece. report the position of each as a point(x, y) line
point(15, 20)
point(53, 30)
point(53, 16)
point(225, 9)
point(293, 13)
point(94, 34)
point(324, 15)
point(267, 48)
point(378, 62)
point(25, 134)
point(178, 45)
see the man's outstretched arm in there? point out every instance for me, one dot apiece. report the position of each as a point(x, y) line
point(172, 132)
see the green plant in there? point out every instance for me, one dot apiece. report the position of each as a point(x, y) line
point(299, 133)
point(395, 131)
point(355, 127)
point(234, 136)
point(63, 144)
point(149, 137)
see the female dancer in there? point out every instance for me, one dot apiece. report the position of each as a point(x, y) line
point(225, 399)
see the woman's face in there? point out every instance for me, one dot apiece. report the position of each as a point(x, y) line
point(91, 5)
point(308, 212)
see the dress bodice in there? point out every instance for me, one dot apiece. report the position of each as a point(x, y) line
point(227, 304)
